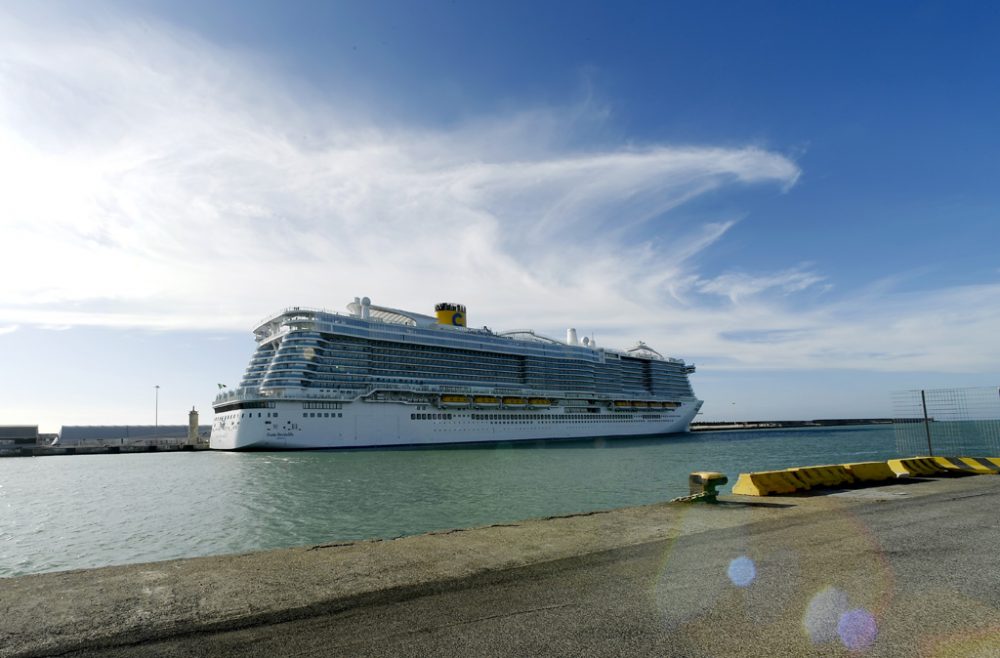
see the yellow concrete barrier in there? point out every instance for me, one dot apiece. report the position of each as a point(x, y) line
point(953, 464)
point(840, 474)
point(809, 476)
point(896, 466)
point(745, 486)
point(794, 480)
point(871, 471)
point(970, 465)
point(916, 466)
point(800, 478)
point(980, 465)
point(823, 476)
point(765, 483)
point(933, 465)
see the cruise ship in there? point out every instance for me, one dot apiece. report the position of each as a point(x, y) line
point(379, 376)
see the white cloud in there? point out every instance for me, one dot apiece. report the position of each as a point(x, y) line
point(9, 329)
point(153, 179)
point(947, 330)
point(736, 286)
point(158, 180)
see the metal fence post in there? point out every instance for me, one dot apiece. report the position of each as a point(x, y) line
point(927, 424)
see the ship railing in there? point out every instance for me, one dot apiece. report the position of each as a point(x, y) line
point(237, 395)
point(486, 390)
point(293, 309)
point(240, 394)
point(301, 394)
point(229, 395)
point(499, 334)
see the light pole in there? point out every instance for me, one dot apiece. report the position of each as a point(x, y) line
point(156, 411)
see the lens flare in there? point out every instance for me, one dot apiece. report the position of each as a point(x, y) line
point(857, 629)
point(823, 614)
point(742, 571)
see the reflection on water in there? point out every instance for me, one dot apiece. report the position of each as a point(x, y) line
point(81, 511)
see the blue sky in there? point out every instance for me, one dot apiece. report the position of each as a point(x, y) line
point(801, 198)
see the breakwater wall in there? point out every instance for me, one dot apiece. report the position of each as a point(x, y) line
point(164, 445)
point(707, 426)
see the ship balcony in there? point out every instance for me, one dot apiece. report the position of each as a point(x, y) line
point(294, 392)
point(237, 394)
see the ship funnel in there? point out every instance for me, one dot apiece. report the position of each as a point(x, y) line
point(571, 337)
point(366, 308)
point(450, 314)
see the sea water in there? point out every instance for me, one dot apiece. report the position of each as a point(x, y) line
point(69, 512)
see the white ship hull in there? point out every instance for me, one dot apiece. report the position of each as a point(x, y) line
point(388, 377)
point(289, 426)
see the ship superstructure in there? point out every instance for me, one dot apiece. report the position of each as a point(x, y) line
point(379, 376)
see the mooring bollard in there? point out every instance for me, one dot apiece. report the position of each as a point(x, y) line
point(704, 486)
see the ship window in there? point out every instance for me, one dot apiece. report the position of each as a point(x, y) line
point(275, 414)
point(340, 415)
point(413, 416)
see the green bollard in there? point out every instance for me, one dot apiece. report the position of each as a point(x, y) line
point(704, 485)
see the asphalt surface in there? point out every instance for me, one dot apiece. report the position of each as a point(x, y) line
point(903, 570)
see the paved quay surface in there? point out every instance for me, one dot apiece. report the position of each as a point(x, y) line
point(900, 570)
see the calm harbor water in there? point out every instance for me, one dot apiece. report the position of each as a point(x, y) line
point(72, 512)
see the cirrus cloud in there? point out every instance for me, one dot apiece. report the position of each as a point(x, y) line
point(158, 180)
point(154, 179)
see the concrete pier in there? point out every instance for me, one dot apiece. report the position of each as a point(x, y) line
point(161, 445)
point(898, 570)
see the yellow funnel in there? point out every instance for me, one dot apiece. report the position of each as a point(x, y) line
point(453, 314)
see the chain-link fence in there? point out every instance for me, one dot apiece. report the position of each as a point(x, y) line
point(948, 421)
